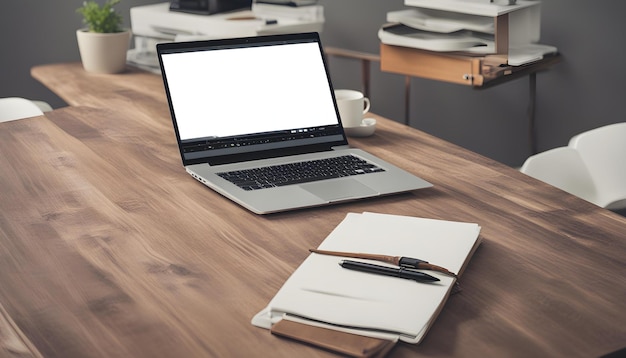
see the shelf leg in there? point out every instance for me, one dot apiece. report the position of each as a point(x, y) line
point(407, 99)
point(532, 99)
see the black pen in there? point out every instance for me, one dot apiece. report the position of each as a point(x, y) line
point(394, 260)
point(401, 272)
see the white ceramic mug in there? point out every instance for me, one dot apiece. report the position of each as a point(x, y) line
point(352, 106)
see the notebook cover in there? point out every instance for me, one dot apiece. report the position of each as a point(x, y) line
point(340, 342)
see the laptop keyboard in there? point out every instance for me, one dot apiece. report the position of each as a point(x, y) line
point(300, 172)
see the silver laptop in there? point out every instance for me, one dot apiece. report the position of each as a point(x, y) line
point(256, 121)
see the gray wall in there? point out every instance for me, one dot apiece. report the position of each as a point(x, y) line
point(586, 90)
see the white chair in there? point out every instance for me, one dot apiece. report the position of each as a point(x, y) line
point(604, 152)
point(563, 168)
point(12, 108)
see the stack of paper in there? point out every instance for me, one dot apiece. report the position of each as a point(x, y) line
point(301, 13)
point(441, 21)
point(322, 293)
point(463, 40)
point(441, 31)
point(292, 3)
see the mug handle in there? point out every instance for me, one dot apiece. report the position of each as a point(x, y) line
point(367, 105)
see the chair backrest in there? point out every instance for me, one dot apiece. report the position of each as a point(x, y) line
point(563, 168)
point(603, 151)
point(12, 108)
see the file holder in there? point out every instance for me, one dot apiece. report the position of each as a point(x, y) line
point(514, 25)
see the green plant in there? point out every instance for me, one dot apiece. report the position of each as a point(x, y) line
point(101, 18)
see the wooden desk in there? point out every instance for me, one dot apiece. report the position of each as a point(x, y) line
point(108, 248)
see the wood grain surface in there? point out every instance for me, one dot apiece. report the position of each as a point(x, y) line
point(109, 249)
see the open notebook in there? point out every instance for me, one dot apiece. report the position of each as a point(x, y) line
point(322, 293)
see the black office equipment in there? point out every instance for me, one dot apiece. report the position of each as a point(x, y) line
point(209, 7)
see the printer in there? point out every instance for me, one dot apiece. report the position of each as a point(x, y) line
point(208, 7)
point(470, 27)
point(155, 23)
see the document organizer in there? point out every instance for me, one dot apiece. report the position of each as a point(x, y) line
point(322, 294)
point(514, 26)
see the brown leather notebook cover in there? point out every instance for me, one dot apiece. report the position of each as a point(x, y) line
point(349, 344)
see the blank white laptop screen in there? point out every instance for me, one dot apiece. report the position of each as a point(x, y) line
point(253, 90)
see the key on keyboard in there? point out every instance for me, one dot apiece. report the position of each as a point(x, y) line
point(300, 172)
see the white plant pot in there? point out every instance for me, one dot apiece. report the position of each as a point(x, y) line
point(103, 53)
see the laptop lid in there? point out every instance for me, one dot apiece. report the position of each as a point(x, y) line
point(240, 99)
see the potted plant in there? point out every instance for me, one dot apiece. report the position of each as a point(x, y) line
point(104, 43)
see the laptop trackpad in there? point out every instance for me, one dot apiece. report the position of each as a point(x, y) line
point(334, 190)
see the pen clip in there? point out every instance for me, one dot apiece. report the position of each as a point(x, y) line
point(410, 262)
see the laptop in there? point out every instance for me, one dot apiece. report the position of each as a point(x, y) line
point(256, 120)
